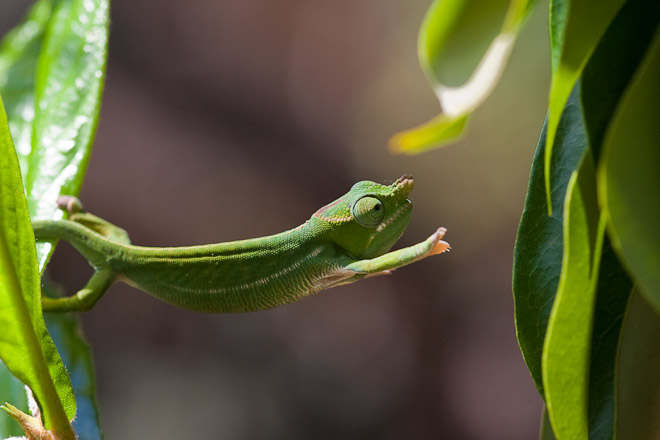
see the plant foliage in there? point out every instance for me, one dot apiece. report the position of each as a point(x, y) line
point(586, 276)
point(52, 69)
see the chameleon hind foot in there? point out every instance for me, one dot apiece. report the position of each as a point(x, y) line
point(85, 298)
point(73, 206)
point(70, 204)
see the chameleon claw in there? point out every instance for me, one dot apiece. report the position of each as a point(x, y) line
point(439, 246)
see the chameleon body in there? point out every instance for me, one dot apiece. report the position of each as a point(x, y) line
point(341, 243)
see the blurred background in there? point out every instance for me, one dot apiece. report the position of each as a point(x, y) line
point(233, 119)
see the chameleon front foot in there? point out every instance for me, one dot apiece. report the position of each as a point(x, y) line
point(439, 246)
point(393, 260)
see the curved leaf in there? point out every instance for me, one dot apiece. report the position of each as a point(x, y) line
point(25, 345)
point(613, 65)
point(603, 82)
point(439, 131)
point(612, 296)
point(629, 176)
point(539, 245)
point(69, 82)
point(463, 48)
point(19, 53)
point(567, 347)
point(576, 27)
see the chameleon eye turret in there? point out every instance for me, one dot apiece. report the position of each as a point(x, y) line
point(368, 211)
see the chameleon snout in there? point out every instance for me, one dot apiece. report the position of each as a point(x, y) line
point(404, 185)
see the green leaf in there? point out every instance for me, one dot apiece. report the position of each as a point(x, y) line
point(439, 131)
point(546, 432)
point(567, 346)
point(19, 52)
point(69, 81)
point(576, 27)
point(539, 245)
point(454, 36)
point(463, 48)
point(603, 84)
point(629, 176)
point(612, 296)
point(11, 390)
point(638, 382)
point(26, 347)
point(613, 65)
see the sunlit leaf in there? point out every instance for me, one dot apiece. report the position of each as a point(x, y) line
point(603, 83)
point(19, 52)
point(567, 347)
point(630, 179)
point(539, 245)
point(613, 65)
point(69, 81)
point(441, 130)
point(25, 345)
point(546, 432)
point(463, 48)
point(576, 27)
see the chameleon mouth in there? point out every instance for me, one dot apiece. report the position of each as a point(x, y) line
point(406, 206)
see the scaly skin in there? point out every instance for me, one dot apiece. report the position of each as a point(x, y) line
point(341, 243)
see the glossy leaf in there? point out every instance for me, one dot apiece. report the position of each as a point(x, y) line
point(638, 382)
point(576, 27)
point(19, 52)
point(567, 347)
point(69, 81)
point(630, 179)
point(539, 245)
point(25, 346)
point(463, 48)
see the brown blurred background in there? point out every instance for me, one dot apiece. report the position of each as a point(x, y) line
point(232, 119)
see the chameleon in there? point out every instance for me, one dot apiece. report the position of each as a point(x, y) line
point(341, 243)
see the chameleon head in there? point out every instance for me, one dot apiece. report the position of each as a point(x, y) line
point(370, 218)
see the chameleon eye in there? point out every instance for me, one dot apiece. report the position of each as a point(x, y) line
point(368, 211)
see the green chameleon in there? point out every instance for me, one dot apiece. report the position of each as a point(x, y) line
point(341, 243)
